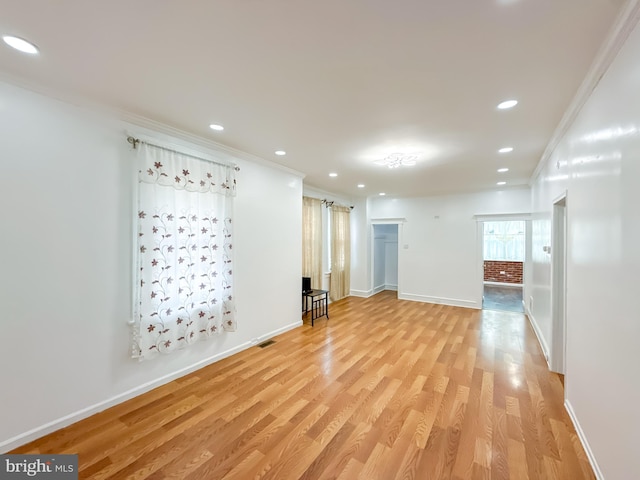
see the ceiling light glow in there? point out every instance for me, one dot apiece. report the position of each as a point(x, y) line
point(20, 44)
point(505, 150)
point(396, 160)
point(502, 170)
point(218, 128)
point(382, 194)
point(333, 174)
point(361, 185)
point(280, 152)
point(507, 104)
point(501, 183)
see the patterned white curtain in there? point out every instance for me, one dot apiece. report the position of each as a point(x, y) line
point(184, 264)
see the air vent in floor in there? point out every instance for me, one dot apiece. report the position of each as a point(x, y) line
point(267, 343)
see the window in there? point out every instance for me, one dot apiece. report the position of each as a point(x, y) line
point(504, 241)
point(184, 251)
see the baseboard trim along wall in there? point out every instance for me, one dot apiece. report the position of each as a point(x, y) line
point(361, 293)
point(541, 340)
point(583, 440)
point(452, 302)
point(67, 420)
point(273, 333)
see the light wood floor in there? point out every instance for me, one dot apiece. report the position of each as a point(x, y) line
point(385, 389)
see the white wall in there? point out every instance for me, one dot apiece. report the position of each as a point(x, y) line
point(360, 249)
point(598, 164)
point(378, 262)
point(65, 188)
point(442, 261)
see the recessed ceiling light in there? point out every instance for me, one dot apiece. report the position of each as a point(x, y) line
point(382, 194)
point(333, 174)
point(280, 152)
point(501, 183)
point(20, 44)
point(361, 185)
point(213, 126)
point(507, 104)
point(502, 170)
point(505, 150)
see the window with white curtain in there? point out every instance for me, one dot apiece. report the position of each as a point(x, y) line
point(184, 251)
point(504, 241)
point(340, 252)
point(312, 240)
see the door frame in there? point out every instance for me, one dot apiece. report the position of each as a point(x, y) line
point(480, 221)
point(399, 222)
point(559, 237)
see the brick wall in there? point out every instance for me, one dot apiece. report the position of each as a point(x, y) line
point(503, 272)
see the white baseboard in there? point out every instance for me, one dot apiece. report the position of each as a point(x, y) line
point(361, 293)
point(369, 293)
point(504, 284)
point(74, 417)
point(583, 440)
point(453, 302)
point(274, 333)
point(541, 341)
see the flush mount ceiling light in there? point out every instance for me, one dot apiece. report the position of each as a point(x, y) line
point(280, 152)
point(502, 170)
point(218, 128)
point(501, 183)
point(507, 104)
point(505, 150)
point(361, 185)
point(20, 44)
point(396, 160)
point(333, 174)
point(382, 194)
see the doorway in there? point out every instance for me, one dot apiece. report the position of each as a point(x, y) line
point(558, 284)
point(503, 246)
point(385, 257)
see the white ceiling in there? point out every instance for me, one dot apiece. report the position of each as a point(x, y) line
point(335, 83)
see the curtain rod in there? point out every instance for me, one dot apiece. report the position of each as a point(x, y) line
point(329, 204)
point(135, 141)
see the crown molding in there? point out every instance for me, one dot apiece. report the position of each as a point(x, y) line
point(311, 191)
point(624, 24)
point(154, 126)
point(134, 120)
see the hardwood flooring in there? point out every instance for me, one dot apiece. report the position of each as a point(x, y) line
point(385, 389)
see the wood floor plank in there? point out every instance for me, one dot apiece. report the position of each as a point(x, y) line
point(384, 389)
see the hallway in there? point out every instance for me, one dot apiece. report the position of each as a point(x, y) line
point(507, 298)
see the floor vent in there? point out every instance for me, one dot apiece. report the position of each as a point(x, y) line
point(267, 343)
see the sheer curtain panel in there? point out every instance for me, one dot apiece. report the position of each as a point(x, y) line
point(312, 240)
point(184, 262)
point(504, 241)
point(340, 252)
